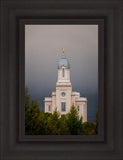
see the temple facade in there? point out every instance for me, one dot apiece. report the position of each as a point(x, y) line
point(63, 98)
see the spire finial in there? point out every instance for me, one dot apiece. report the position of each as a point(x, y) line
point(63, 50)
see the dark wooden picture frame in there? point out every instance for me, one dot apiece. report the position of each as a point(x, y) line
point(108, 143)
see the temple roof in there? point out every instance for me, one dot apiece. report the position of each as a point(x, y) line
point(63, 62)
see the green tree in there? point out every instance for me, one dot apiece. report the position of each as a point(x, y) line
point(89, 128)
point(63, 129)
point(53, 123)
point(73, 122)
point(32, 118)
point(32, 113)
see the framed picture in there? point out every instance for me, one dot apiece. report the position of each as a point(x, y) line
point(72, 72)
point(22, 19)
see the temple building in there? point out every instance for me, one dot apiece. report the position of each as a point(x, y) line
point(63, 98)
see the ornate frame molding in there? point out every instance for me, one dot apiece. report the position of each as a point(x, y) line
point(108, 143)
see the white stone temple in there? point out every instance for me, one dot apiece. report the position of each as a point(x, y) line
point(64, 97)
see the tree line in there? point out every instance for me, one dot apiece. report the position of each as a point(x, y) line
point(38, 122)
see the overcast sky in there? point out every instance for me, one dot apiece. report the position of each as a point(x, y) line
point(43, 50)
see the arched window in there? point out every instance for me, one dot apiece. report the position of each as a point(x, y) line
point(49, 108)
point(78, 108)
point(63, 106)
point(63, 72)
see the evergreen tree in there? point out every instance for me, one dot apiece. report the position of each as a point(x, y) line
point(73, 122)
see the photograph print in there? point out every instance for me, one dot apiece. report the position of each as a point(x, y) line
point(61, 79)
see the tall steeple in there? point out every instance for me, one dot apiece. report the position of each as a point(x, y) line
point(63, 61)
point(63, 70)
